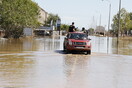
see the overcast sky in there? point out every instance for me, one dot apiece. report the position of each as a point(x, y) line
point(85, 13)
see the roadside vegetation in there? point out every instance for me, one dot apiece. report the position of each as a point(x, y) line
point(15, 15)
point(51, 20)
point(64, 27)
point(125, 22)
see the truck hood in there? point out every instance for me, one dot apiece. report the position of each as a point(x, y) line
point(77, 40)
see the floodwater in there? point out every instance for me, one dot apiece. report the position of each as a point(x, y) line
point(41, 63)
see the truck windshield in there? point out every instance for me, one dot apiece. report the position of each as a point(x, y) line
point(78, 36)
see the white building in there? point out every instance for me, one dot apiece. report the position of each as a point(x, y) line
point(100, 30)
point(43, 16)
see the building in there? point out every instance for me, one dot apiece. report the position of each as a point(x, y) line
point(43, 16)
point(100, 30)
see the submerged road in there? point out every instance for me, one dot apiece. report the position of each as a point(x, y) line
point(41, 63)
point(58, 70)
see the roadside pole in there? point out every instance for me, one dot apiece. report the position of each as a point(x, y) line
point(59, 25)
point(108, 25)
point(119, 25)
point(108, 28)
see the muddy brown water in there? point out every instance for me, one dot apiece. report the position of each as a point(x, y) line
point(41, 63)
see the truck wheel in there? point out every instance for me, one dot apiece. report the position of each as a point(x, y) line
point(88, 52)
point(64, 48)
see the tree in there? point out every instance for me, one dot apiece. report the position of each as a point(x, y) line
point(17, 14)
point(51, 20)
point(64, 27)
point(130, 14)
point(130, 24)
point(91, 31)
point(124, 21)
point(114, 30)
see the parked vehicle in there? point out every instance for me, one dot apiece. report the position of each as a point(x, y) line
point(77, 41)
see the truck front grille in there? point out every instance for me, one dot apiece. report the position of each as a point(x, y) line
point(79, 43)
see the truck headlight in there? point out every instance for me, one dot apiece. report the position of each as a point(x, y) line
point(70, 42)
point(88, 43)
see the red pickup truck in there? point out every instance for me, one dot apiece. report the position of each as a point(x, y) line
point(77, 41)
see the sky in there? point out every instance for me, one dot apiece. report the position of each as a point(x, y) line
point(84, 13)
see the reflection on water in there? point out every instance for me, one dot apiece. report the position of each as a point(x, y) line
point(99, 44)
point(19, 60)
point(41, 63)
point(29, 44)
point(124, 47)
point(98, 71)
point(76, 70)
point(14, 69)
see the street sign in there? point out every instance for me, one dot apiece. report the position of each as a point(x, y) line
point(58, 22)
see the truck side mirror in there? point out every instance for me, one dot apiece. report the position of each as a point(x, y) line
point(65, 37)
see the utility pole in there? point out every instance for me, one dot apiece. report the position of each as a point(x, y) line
point(99, 32)
point(108, 28)
point(119, 23)
point(108, 24)
point(100, 20)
